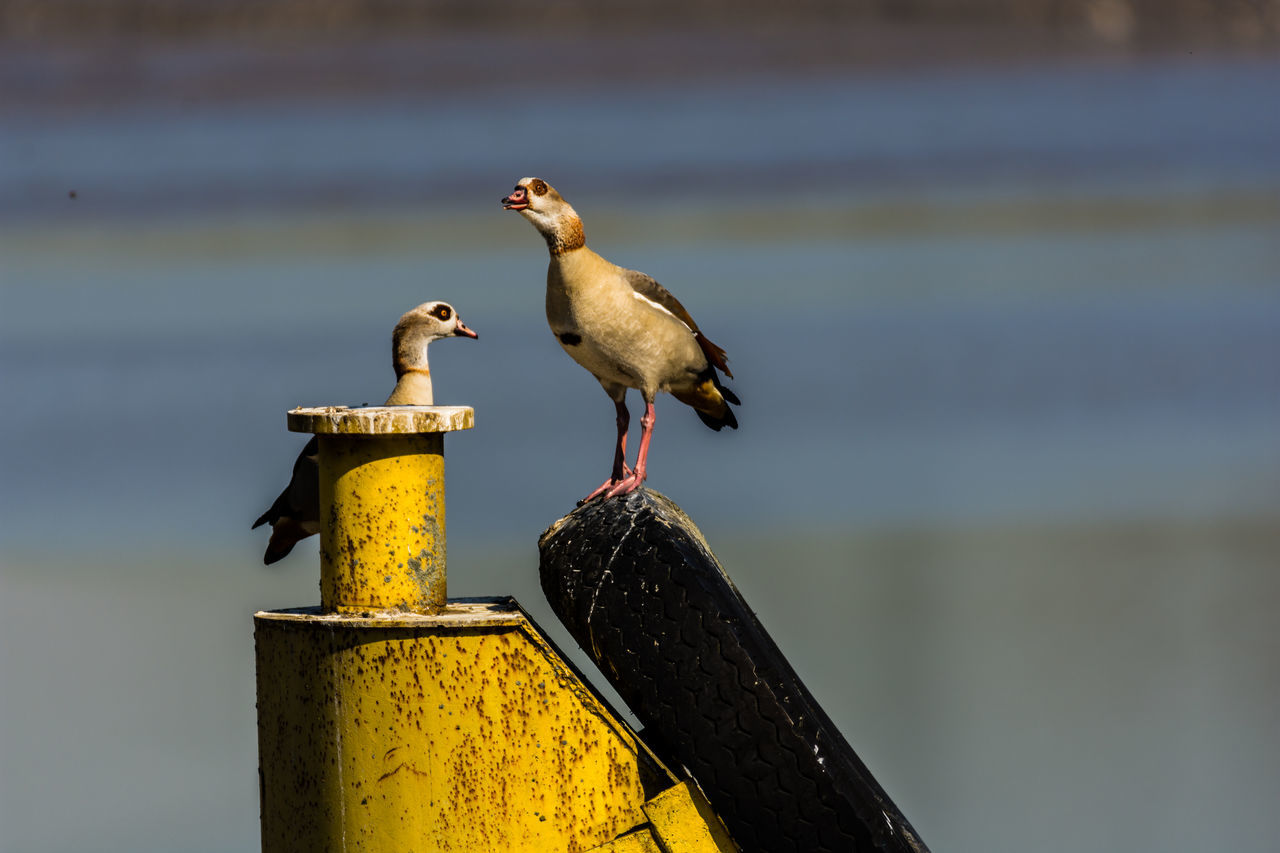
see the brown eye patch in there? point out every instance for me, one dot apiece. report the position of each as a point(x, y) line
point(538, 186)
point(441, 312)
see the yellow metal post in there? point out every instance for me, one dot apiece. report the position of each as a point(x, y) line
point(390, 719)
point(382, 531)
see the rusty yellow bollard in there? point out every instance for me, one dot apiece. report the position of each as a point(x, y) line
point(392, 719)
point(382, 531)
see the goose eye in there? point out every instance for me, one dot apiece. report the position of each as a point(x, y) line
point(539, 187)
point(442, 312)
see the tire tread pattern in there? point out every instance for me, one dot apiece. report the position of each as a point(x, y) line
point(637, 586)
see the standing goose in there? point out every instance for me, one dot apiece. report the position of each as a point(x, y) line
point(295, 515)
point(625, 328)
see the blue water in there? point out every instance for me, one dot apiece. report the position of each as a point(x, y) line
point(1008, 345)
point(1195, 124)
point(1081, 391)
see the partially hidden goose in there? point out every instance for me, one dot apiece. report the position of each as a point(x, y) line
point(625, 328)
point(295, 515)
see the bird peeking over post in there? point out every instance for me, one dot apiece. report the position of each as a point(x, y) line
point(625, 328)
point(295, 515)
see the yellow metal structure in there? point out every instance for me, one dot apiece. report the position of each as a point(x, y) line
point(392, 720)
point(680, 819)
point(382, 532)
point(456, 731)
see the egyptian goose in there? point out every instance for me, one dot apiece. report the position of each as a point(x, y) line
point(295, 515)
point(625, 328)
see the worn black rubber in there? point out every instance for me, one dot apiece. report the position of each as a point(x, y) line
point(637, 586)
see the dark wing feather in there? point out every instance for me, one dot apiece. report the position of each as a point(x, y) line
point(714, 354)
point(648, 287)
point(300, 499)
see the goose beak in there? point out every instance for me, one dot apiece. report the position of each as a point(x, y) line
point(462, 331)
point(518, 200)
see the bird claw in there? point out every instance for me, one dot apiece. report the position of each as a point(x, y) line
point(600, 490)
point(626, 486)
point(611, 487)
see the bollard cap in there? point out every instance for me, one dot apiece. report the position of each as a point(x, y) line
point(380, 420)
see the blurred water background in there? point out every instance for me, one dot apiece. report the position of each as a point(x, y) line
point(1002, 305)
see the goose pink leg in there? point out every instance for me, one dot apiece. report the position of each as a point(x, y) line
point(632, 481)
point(620, 469)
